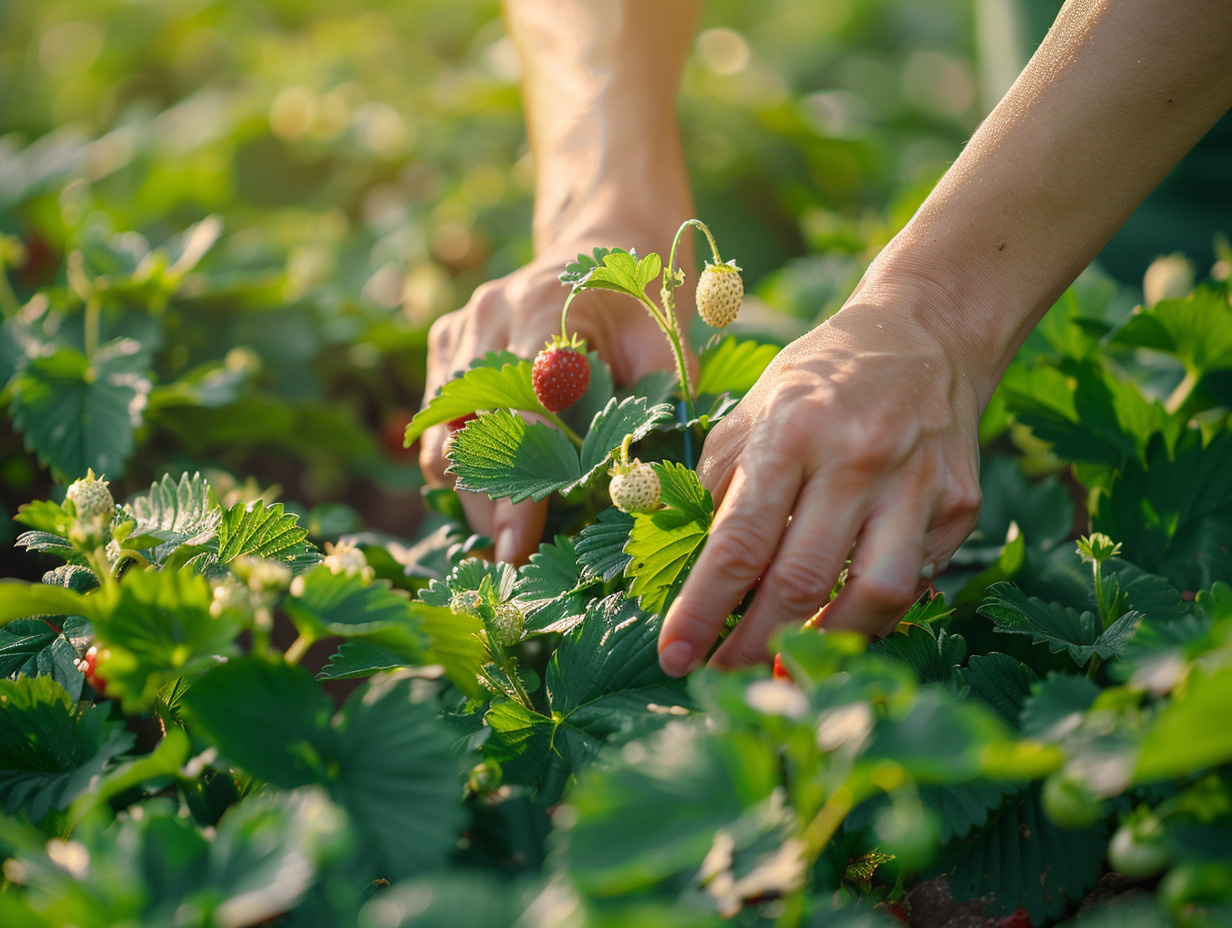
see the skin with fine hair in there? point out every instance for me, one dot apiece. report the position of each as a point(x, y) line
point(860, 439)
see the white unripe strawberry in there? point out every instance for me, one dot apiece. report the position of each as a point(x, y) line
point(720, 291)
point(634, 487)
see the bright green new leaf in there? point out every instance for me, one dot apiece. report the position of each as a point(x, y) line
point(733, 365)
point(481, 387)
point(174, 512)
point(78, 413)
point(19, 600)
point(1196, 329)
point(256, 530)
point(155, 626)
point(323, 603)
point(621, 271)
point(664, 543)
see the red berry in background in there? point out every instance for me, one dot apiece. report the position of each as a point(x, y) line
point(454, 424)
point(393, 435)
point(560, 374)
point(88, 665)
point(780, 672)
point(1016, 919)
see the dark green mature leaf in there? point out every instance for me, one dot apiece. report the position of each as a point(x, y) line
point(1174, 516)
point(548, 588)
point(1001, 681)
point(655, 814)
point(934, 655)
point(358, 658)
point(1045, 874)
point(1060, 627)
point(156, 626)
point(609, 428)
point(603, 685)
point(600, 546)
point(733, 365)
point(481, 387)
point(77, 413)
point(50, 749)
point(256, 530)
point(33, 647)
point(1196, 329)
point(1055, 703)
point(662, 544)
point(502, 455)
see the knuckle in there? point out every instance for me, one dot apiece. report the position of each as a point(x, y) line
point(443, 333)
point(797, 586)
point(887, 593)
point(738, 553)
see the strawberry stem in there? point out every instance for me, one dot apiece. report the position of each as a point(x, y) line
point(557, 421)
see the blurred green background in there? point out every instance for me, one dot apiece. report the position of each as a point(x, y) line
point(369, 167)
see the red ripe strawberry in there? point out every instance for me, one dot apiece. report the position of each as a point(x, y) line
point(88, 665)
point(1016, 919)
point(560, 374)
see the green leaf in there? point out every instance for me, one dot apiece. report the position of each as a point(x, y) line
point(733, 365)
point(1002, 681)
point(1043, 875)
point(76, 414)
point(577, 271)
point(45, 516)
point(50, 751)
point(1174, 516)
point(1196, 329)
point(603, 685)
point(502, 455)
point(323, 603)
point(357, 658)
point(620, 271)
point(646, 819)
point(1054, 703)
point(19, 600)
point(453, 642)
point(609, 428)
point(481, 387)
point(1186, 734)
point(156, 626)
point(663, 544)
point(600, 546)
point(548, 588)
point(256, 530)
point(1060, 627)
point(933, 655)
point(175, 512)
point(33, 647)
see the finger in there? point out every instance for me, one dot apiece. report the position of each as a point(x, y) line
point(798, 582)
point(432, 457)
point(884, 578)
point(745, 533)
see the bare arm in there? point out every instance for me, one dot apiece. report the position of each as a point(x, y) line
point(863, 432)
point(599, 88)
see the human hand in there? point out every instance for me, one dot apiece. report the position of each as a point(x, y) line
point(864, 433)
point(518, 313)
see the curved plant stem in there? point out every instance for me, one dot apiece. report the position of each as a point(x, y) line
point(295, 652)
point(560, 424)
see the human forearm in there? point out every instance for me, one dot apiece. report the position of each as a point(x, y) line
point(1114, 97)
point(599, 89)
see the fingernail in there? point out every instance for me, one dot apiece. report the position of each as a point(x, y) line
point(508, 544)
point(678, 659)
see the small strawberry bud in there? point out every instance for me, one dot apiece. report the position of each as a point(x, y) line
point(720, 291)
point(91, 499)
point(465, 602)
point(635, 487)
point(346, 558)
point(560, 374)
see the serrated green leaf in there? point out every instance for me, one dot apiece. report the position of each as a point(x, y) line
point(733, 365)
point(77, 414)
point(34, 648)
point(1054, 703)
point(256, 530)
point(1196, 329)
point(481, 387)
point(453, 642)
point(1043, 875)
point(1002, 681)
point(154, 626)
point(547, 588)
point(172, 512)
point(504, 456)
point(621, 271)
point(933, 655)
point(323, 603)
point(600, 546)
point(576, 271)
point(44, 516)
point(50, 751)
point(608, 430)
point(1060, 627)
point(359, 658)
point(662, 544)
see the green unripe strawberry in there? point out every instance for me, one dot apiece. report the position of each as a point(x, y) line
point(720, 290)
point(634, 487)
point(92, 499)
point(561, 373)
point(508, 623)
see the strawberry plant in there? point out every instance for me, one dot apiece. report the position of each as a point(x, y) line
point(492, 742)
